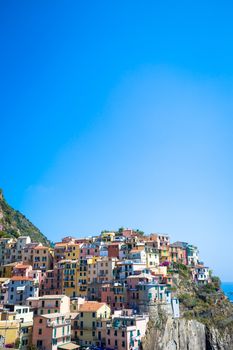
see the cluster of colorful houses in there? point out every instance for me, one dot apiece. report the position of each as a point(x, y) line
point(94, 292)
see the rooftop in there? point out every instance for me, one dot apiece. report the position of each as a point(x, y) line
point(41, 247)
point(21, 278)
point(22, 266)
point(90, 306)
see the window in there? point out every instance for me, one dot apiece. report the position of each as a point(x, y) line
point(40, 331)
point(40, 320)
point(93, 314)
point(123, 344)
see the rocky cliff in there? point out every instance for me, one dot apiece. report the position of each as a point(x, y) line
point(206, 321)
point(177, 334)
point(183, 334)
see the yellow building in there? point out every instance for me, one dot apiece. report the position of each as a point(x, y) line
point(164, 254)
point(152, 254)
point(107, 236)
point(91, 314)
point(6, 271)
point(72, 251)
point(75, 277)
point(9, 328)
point(70, 277)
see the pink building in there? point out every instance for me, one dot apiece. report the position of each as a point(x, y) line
point(88, 250)
point(36, 275)
point(22, 270)
point(115, 295)
point(48, 304)
point(126, 331)
point(52, 332)
point(132, 291)
point(52, 282)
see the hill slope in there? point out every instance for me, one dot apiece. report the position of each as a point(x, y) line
point(15, 224)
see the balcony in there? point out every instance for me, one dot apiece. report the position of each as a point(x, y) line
point(59, 323)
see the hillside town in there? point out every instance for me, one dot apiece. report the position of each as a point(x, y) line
point(89, 293)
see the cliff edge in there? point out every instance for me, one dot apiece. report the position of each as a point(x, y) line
point(205, 322)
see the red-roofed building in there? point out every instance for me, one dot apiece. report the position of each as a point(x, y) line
point(91, 314)
point(22, 270)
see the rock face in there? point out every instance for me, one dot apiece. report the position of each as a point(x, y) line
point(178, 334)
point(216, 340)
point(182, 334)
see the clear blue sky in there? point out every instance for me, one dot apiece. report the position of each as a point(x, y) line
point(120, 113)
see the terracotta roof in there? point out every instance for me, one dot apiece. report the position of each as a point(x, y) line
point(21, 278)
point(90, 306)
point(40, 247)
point(22, 266)
point(52, 296)
point(136, 250)
point(61, 245)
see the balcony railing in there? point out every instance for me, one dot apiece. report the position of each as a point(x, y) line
point(59, 323)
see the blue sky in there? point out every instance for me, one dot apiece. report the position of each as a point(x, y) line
point(120, 114)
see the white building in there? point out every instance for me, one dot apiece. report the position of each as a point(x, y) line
point(202, 274)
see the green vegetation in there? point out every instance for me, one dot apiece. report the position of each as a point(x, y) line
point(15, 224)
point(121, 229)
point(141, 233)
point(205, 303)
